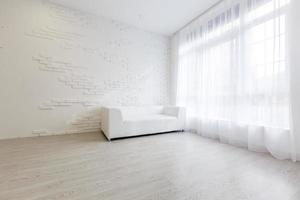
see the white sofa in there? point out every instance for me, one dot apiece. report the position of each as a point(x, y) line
point(118, 122)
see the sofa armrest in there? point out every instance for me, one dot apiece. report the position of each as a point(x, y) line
point(111, 121)
point(175, 111)
point(178, 112)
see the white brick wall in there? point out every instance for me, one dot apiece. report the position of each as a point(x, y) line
point(59, 66)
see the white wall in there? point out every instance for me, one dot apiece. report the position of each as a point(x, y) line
point(58, 65)
point(295, 68)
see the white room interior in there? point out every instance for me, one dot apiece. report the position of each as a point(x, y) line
point(73, 73)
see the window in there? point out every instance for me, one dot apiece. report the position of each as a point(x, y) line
point(233, 67)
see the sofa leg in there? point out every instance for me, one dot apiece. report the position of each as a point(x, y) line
point(108, 139)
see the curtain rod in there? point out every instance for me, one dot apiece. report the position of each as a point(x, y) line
point(203, 13)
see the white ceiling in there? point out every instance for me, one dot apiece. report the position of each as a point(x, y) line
point(159, 16)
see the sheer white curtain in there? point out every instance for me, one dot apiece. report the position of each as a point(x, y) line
point(233, 75)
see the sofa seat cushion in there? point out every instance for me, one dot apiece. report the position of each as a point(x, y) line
point(152, 117)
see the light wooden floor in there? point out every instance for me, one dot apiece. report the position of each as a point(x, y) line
point(161, 167)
